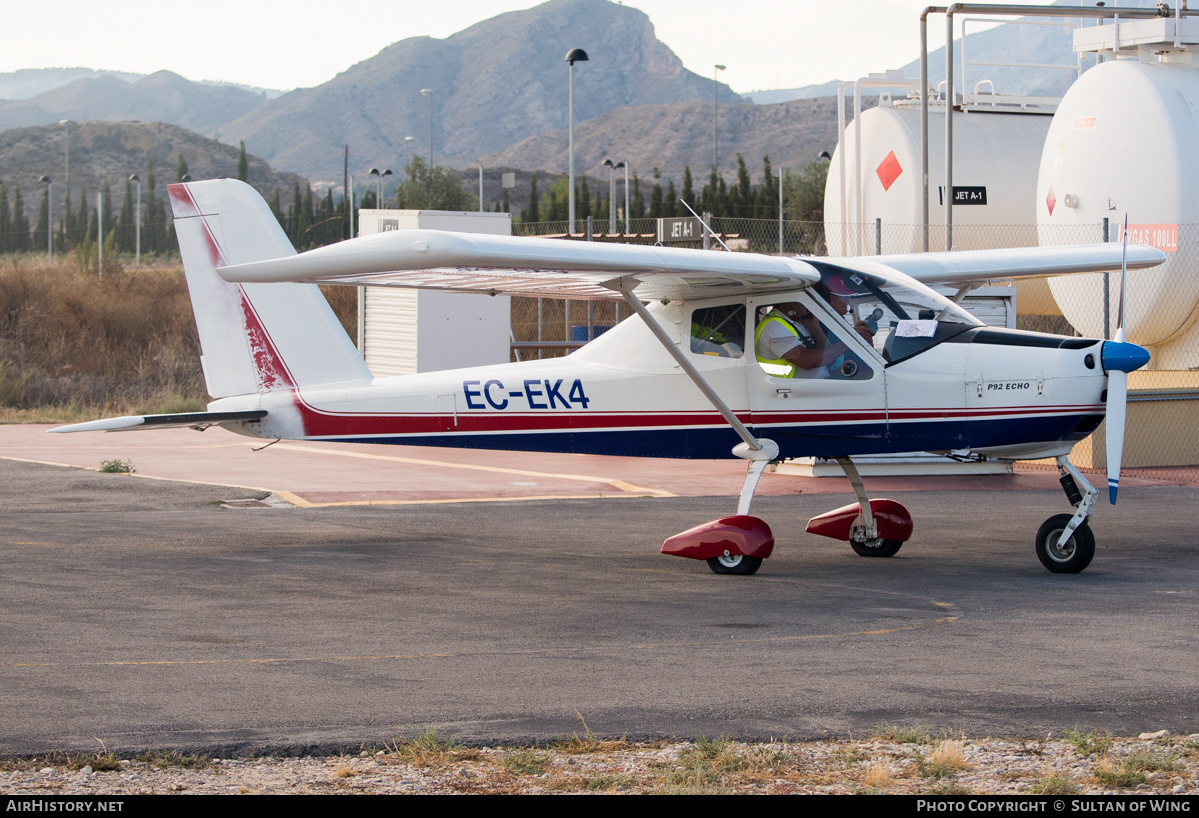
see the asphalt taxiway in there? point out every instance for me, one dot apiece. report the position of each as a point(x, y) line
point(400, 589)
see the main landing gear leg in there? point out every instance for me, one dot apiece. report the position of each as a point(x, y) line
point(1065, 543)
point(874, 528)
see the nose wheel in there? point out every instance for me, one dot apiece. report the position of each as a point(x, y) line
point(1067, 557)
point(1065, 543)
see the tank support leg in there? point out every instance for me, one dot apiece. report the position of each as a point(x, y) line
point(1084, 502)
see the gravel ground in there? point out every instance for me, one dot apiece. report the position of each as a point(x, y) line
point(895, 761)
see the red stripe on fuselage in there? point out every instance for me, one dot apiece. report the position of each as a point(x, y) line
point(322, 423)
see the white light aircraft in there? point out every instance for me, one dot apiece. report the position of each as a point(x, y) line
point(879, 362)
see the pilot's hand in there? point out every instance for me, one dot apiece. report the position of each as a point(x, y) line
point(864, 330)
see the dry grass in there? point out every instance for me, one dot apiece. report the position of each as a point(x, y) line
point(75, 346)
point(949, 754)
point(345, 771)
point(878, 776)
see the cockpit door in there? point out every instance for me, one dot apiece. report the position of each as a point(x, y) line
point(833, 403)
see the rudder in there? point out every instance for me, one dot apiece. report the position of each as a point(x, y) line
point(253, 337)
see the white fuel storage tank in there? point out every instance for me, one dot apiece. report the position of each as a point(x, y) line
point(997, 149)
point(1125, 140)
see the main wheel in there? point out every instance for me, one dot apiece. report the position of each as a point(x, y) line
point(880, 548)
point(735, 564)
point(1074, 555)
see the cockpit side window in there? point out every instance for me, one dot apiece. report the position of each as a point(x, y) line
point(719, 331)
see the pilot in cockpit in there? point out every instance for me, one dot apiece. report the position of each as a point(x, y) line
point(792, 342)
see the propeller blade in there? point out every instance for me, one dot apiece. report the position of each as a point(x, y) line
point(1117, 398)
point(1119, 358)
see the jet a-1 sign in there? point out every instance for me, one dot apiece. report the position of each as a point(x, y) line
point(731, 354)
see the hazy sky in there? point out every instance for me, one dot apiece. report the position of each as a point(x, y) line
point(286, 44)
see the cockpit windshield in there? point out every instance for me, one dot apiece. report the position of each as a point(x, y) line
point(905, 316)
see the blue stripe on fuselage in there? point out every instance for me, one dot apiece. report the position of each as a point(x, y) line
point(830, 440)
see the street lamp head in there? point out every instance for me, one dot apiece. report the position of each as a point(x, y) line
point(133, 177)
point(618, 165)
point(608, 163)
point(409, 138)
point(577, 55)
point(373, 172)
point(187, 177)
point(64, 122)
point(824, 155)
point(45, 179)
point(386, 173)
point(720, 68)
point(425, 92)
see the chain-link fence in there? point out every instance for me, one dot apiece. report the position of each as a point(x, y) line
point(1161, 308)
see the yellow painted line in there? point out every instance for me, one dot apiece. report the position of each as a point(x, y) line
point(140, 476)
point(300, 502)
point(944, 620)
point(620, 484)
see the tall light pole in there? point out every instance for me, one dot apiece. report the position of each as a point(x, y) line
point(374, 175)
point(49, 225)
point(625, 165)
point(611, 195)
point(428, 92)
point(716, 119)
point(573, 56)
point(138, 220)
point(382, 177)
point(407, 144)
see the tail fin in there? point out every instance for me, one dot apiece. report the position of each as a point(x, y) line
point(253, 337)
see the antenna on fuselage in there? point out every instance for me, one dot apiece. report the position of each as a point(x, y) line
point(706, 226)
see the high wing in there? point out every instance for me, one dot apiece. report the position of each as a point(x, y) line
point(508, 265)
point(975, 266)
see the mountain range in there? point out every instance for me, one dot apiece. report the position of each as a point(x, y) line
point(499, 95)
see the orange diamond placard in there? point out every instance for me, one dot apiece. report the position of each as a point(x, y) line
point(888, 170)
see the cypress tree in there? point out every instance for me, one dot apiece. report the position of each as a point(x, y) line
point(768, 194)
point(655, 196)
point(532, 213)
point(41, 229)
point(81, 220)
point(180, 168)
point(744, 194)
point(243, 163)
point(126, 224)
point(583, 195)
point(688, 195)
point(110, 220)
point(637, 200)
point(671, 206)
point(20, 224)
point(5, 221)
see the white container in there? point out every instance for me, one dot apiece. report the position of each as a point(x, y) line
point(996, 155)
point(407, 331)
point(1125, 139)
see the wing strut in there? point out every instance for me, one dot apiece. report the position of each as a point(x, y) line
point(753, 449)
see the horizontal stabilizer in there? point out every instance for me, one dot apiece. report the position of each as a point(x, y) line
point(184, 420)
